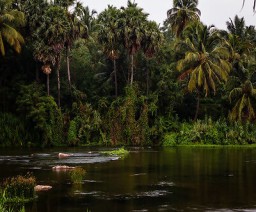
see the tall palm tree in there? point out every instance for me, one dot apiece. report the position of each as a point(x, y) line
point(57, 35)
point(9, 19)
point(151, 43)
point(76, 31)
point(86, 17)
point(182, 13)
point(132, 23)
point(51, 37)
point(109, 35)
point(245, 99)
point(241, 43)
point(205, 62)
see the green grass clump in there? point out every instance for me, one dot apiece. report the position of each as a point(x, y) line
point(19, 189)
point(118, 152)
point(16, 191)
point(77, 175)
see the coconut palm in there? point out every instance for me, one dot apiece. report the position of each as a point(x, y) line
point(109, 35)
point(205, 62)
point(240, 39)
point(244, 98)
point(240, 35)
point(182, 13)
point(87, 19)
point(9, 19)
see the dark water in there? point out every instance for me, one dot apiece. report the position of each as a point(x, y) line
point(175, 179)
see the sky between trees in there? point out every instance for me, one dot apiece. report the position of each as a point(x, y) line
point(215, 12)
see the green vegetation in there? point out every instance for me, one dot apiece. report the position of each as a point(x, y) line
point(77, 175)
point(16, 191)
point(19, 189)
point(117, 152)
point(210, 132)
point(71, 77)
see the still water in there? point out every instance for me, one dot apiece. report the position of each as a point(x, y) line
point(170, 179)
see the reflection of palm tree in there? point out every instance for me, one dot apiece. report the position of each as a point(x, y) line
point(182, 13)
point(8, 19)
point(205, 61)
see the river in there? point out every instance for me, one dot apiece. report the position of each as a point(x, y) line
point(148, 179)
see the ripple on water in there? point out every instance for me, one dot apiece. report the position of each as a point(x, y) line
point(129, 196)
point(15, 159)
point(40, 155)
point(156, 193)
point(84, 160)
point(138, 174)
point(165, 184)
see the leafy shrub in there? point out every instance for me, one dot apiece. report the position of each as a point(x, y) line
point(19, 188)
point(127, 120)
point(208, 132)
point(77, 175)
point(42, 116)
point(85, 124)
point(72, 134)
point(12, 130)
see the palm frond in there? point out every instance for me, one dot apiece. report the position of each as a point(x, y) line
point(235, 93)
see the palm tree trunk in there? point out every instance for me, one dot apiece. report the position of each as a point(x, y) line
point(37, 73)
point(68, 67)
point(114, 61)
point(197, 105)
point(132, 68)
point(48, 85)
point(58, 79)
point(147, 81)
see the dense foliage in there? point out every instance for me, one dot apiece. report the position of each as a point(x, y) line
point(70, 76)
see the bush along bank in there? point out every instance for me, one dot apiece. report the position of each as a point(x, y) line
point(208, 132)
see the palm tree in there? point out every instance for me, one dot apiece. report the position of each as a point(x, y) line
point(86, 17)
point(9, 19)
point(51, 37)
point(132, 22)
point(241, 35)
point(45, 55)
point(205, 62)
point(182, 13)
point(76, 30)
point(254, 4)
point(109, 35)
point(244, 107)
point(241, 42)
point(57, 35)
point(151, 43)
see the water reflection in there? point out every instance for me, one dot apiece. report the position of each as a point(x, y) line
point(175, 179)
